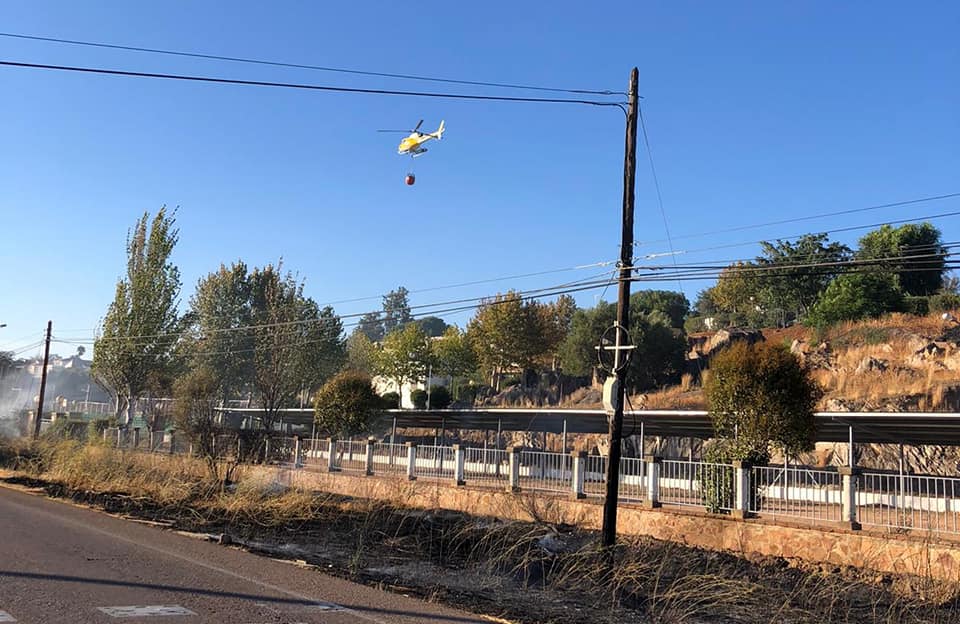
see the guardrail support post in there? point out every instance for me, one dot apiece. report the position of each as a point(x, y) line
point(412, 461)
point(370, 442)
point(579, 472)
point(849, 503)
point(459, 463)
point(742, 493)
point(514, 484)
point(652, 500)
point(297, 449)
point(331, 455)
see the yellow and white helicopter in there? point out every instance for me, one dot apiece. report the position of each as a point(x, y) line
point(413, 144)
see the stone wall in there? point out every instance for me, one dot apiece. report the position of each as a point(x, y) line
point(883, 552)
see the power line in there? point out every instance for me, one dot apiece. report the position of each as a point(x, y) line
point(428, 310)
point(238, 59)
point(832, 231)
point(822, 215)
point(590, 286)
point(310, 87)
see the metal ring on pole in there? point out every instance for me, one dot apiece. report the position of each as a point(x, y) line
point(620, 342)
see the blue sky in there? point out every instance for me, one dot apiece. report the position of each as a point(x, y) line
point(756, 112)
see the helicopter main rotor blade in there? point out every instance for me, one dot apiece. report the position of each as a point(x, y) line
point(403, 131)
point(419, 123)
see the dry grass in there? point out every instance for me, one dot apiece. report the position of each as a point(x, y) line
point(544, 570)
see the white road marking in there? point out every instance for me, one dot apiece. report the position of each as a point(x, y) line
point(6, 617)
point(324, 606)
point(146, 611)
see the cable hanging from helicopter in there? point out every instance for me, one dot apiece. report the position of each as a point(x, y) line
point(413, 145)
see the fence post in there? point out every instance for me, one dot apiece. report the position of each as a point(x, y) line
point(653, 481)
point(459, 463)
point(119, 437)
point(297, 446)
point(579, 471)
point(370, 442)
point(266, 449)
point(173, 433)
point(136, 437)
point(849, 503)
point(105, 435)
point(514, 484)
point(331, 455)
point(412, 461)
point(742, 489)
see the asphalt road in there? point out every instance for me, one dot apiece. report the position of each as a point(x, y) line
point(62, 563)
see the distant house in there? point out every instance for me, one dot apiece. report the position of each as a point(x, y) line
point(383, 385)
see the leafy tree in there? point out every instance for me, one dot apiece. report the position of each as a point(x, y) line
point(915, 255)
point(787, 281)
point(347, 404)
point(296, 343)
point(761, 396)
point(220, 309)
point(736, 291)
point(371, 326)
point(454, 354)
point(578, 352)
point(405, 356)
point(656, 361)
point(138, 332)
point(673, 305)
point(507, 332)
point(361, 353)
point(555, 321)
point(396, 310)
point(855, 296)
point(432, 326)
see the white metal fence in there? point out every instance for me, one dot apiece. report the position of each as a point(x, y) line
point(434, 462)
point(895, 501)
point(351, 455)
point(486, 466)
point(548, 472)
point(797, 492)
point(918, 502)
point(697, 484)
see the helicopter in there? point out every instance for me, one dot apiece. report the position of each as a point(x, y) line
point(413, 144)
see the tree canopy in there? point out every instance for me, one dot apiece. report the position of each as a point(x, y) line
point(140, 330)
point(913, 253)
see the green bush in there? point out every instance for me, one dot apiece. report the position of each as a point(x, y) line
point(419, 398)
point(855, 296)
point(761, 396)
point(439, 397)
point(347, 404)
point(944, 302)
point(919, 306)
point(390, 400)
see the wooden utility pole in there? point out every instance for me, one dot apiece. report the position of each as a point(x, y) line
point(43, 383)
point(609, 531)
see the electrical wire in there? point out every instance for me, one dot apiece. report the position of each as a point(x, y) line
point(754, 226)
point(294, 344)
point(852, 228)
point(310, 87)
point(238, 59)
